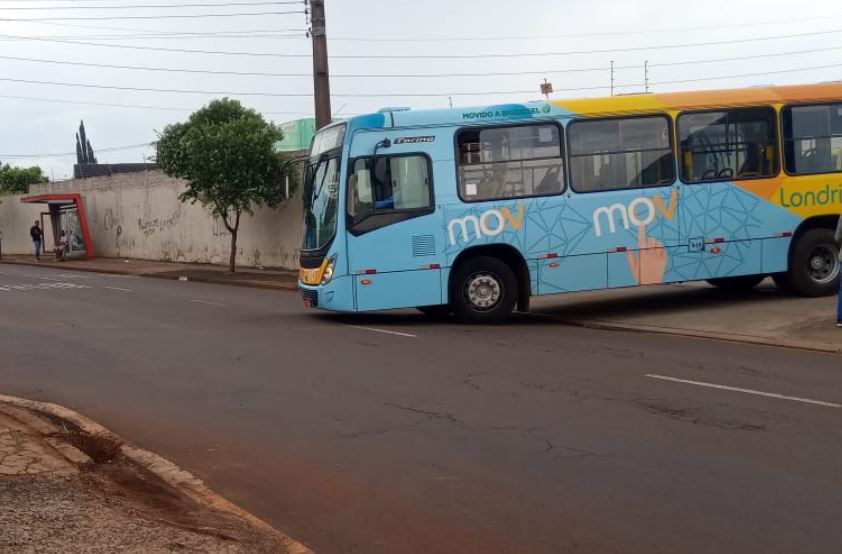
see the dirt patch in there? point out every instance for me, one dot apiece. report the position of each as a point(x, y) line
point(115, 504)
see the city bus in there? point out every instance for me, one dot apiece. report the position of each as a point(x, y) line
point(473, 211)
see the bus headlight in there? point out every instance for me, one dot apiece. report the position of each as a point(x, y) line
point(328, 272)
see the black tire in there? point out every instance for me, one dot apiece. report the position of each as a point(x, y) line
point(813, 265)
point(483, 290)
point(737, 284)
point(437, 312)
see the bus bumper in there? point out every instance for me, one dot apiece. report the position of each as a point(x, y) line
point(338, 295)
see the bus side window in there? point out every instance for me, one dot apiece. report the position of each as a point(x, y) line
point(513, 161)
point(386, 184)
point(726, 145)
point(621, 153)
point(813, 139)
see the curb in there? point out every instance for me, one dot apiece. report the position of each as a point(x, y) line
point(245, 284)
point(691, 333)
point(171, 474)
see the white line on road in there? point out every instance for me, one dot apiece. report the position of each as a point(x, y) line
point(747, 391)
point(209, 303)
point(118, 289)
point(384, 331)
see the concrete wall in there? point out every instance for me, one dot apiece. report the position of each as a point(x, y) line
point(138, 215)
point(15, 221)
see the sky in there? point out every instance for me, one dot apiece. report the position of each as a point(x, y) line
point(419, 54)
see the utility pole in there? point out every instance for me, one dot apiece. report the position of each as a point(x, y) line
point(321, 73)
point(646, 76)
point(612, 77)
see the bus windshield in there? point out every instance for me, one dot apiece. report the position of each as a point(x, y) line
point(321, 188)
point(321, 195)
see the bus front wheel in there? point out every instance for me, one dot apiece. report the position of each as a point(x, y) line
point(484, 290)
point(813, 265)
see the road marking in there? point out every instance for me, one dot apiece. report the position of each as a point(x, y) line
point(118, 289)
point(42, 286)
point(384, 331)
point(209, 303)
point(747, 391)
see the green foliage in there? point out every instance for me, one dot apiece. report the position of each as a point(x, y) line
point(84, 150)
point(16, 180)
point(225, 153)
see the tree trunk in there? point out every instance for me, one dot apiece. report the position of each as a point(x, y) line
point(233, 229)
point(232, 261)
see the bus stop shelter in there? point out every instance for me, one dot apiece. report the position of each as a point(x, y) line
point(66, 212)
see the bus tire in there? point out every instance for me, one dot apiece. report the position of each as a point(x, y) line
point(436, 312)
point(813, 265)
point(483, 290)
point(737, 284)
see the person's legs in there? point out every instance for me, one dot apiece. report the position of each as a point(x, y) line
point(37, 249)
point(839, 306)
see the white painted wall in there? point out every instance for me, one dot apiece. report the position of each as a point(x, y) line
point(139, 215)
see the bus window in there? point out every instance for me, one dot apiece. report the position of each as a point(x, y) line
point(615, 154)
point(728, 144)
point(510, 162)
point(813, 139)
point(386, 184)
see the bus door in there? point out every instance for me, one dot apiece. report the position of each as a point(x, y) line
point(393, 225)
point(622, 204)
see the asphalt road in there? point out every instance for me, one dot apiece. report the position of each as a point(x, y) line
point(389, 434)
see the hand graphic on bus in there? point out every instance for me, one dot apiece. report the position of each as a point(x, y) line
point(649, 263)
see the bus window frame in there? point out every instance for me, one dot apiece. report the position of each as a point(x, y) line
point(783, 138)
point(521, 123)
point(778, 142)
point(393, 216)
point(671, 129)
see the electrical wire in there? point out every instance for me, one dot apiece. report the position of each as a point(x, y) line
point(438, 57)
point(157, 6)
point(130, 106)
point(67, 154)
point(154, 17)
point(412, 75)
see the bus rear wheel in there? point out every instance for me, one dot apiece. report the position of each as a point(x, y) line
point(483, 290)
point(813, 265)
point(737, 284)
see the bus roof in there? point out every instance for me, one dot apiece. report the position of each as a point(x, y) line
point(633, 103)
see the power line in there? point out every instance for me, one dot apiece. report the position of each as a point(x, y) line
point(129, 106)
point(411, 75)
point(68, 154)
point(742, 75)
point(155, 17)
point(583, 35)
point(157, 6)
point(433, 56)
point(278, 34)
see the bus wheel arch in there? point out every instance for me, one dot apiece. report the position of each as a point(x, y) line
point(812, 239)
point(490, 255)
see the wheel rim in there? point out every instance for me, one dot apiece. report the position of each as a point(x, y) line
point(483, 291)
point(822, 264)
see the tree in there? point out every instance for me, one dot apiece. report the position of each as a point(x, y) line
point(84, 150)
point(16, 180)
point(225, 153)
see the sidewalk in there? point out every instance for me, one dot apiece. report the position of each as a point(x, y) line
point(762, 316)
point(71, 486)
point(206, 273)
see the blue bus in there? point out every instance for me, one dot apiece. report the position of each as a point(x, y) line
point(473, 211)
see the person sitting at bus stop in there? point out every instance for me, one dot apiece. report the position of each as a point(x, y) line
point(61, 248)
point(839, 301)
